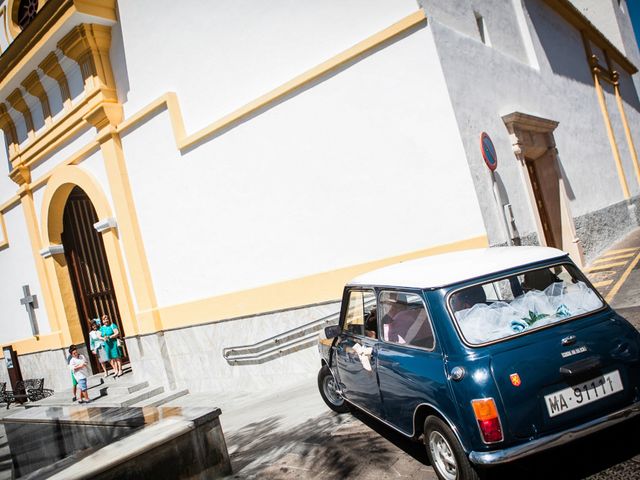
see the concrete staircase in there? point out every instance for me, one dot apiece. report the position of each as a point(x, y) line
point(115, 392)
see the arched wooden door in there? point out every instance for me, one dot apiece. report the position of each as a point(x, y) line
point(88, 266)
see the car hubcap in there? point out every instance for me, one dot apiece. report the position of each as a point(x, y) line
point(330, 390)
point(442, 455)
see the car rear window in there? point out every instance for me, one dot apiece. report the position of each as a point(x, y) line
point(517, 304)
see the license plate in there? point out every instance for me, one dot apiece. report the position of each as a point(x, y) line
point(573, 397)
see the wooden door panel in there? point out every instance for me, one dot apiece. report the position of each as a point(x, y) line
point(88, 266)
point(541, 179)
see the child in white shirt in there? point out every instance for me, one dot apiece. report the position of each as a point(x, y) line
point(78, 366)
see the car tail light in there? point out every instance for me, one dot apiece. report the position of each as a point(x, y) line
point(488, 419)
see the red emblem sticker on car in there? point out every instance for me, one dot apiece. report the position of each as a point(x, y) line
point(515, 379)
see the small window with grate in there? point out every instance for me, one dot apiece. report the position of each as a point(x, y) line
point(27, 10)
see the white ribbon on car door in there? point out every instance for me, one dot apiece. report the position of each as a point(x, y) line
point(364, 355)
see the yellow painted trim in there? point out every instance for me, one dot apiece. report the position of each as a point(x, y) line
point(9, 204)
point(74, 159)
point(169, 100)
point(51, 68)
point(609, 265)
point(309, 290)
point(49, 341)
point(14, 28)
point(62, 129)
point(17, 64)
point(4, 240)
point(603, 283)
point(131, 235)
point(612, 293)
point(612, 137)
point(608, 258)
point(63, 179)
point(627, 131)
point(33, 85)
point(4, 20)
point(97, 8)
point(621, 250)
point(46, 25)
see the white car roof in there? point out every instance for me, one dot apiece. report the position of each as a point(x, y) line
point(446, 269)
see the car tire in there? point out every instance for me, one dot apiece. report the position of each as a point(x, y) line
point(445, 453)
point(328, 391)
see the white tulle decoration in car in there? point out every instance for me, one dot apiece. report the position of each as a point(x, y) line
point(485, 320)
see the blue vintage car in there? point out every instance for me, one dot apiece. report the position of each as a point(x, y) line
point(488, 355)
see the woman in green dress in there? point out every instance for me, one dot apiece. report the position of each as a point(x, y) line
point(110, 334)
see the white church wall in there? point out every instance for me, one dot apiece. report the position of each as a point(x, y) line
point(66, 150)
point(604, 15)
point(562, 90)
point(360, 166)
point(233, 51)
point(18, 267)
point(466, 17)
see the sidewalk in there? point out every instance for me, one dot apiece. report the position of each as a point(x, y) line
point(616, 274)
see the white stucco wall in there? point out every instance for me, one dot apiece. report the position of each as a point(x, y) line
point(604, 15)
point(363, 165)
point(497, 15)
point(561, 90)
point(94, 165)
point(235, 50)
point(18, 268)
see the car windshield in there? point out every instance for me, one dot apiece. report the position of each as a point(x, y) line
point(530, 300)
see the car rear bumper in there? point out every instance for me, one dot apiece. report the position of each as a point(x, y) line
point(496, 457)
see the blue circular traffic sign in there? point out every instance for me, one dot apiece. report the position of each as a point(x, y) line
point(488, 151)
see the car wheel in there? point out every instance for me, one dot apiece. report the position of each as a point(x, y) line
point(329, 391)
point(445, 453)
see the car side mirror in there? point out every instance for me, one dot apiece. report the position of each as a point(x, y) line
point(332, 331)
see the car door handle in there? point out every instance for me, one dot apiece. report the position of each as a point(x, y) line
point(581, 366)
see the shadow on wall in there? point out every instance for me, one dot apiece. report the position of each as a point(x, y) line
point(628, 89)
point(506, 218)
point(560, 43)
point(119, 61)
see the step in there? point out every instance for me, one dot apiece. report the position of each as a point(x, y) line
point(161, 399)
point(122, 387)
point(128, 400)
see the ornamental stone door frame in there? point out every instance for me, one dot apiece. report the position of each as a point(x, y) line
point(532, 140)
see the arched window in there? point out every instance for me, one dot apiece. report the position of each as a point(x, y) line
point(27, 10)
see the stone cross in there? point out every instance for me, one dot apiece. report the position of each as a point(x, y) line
point(31, 303)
